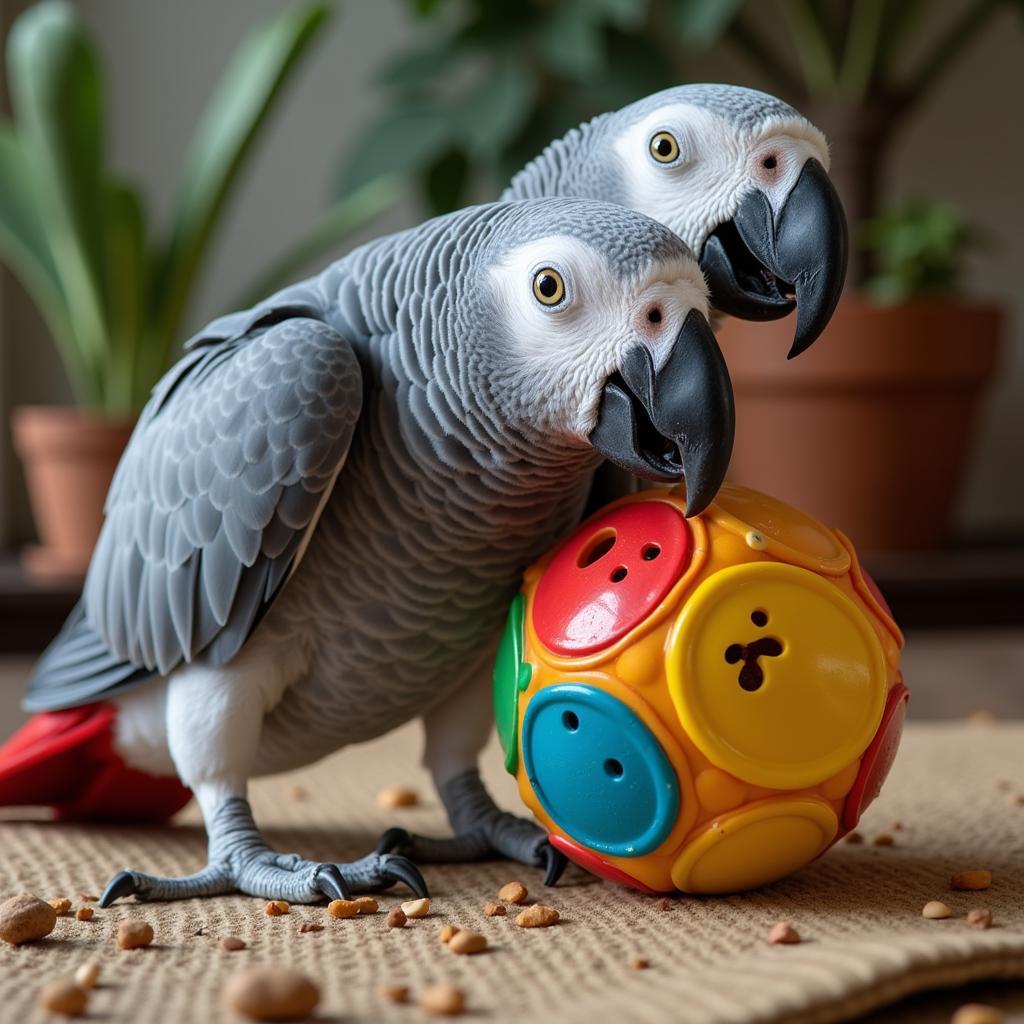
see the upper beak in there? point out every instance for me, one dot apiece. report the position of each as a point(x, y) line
point(758, 260)
point(674, 422)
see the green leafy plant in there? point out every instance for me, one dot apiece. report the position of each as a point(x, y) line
point(497, 79)
point(113, 291)
point(920, 249)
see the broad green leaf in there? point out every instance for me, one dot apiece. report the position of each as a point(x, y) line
point(404, 141)
point(415, 68)
point(343, 219)
point(425, 8)
point(229, 127)
point(55, 89)
point(572, 40)
point(25, 249)
point(444, 183)
point(496, 110)
point(128, 276)
point(702, 22)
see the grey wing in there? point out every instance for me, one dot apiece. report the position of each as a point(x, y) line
point(219, 487)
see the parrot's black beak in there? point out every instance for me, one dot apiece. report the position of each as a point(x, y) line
point(675, 422)
point(760, 265)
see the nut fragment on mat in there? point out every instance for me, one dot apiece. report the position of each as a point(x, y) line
point(971, 880)
point(25, 919)
point(64, 997)
point(271, 993)
point(392, 797)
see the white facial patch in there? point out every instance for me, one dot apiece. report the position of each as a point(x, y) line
point(561, 356)
point(718, 164)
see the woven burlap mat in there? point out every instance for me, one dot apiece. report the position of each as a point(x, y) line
point(859, 909)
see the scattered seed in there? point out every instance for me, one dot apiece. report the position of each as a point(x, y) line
point(84, 897)
point(271, 993)
point(134, 934)
point(855, 839)
point(25, 919)
point(310, 927)
point(537, 916)
point(447, 932)
point(513, 892)
point(397, 796)
point(395, 993)
point(416, 908)
point(639, 963)
point(492, 909)
point(87, 974)
point(982, 718)
point(980, 918)
point(396, 918)
point(64, 997)
point(971, 880)
point(884, 839)
point(977, 1013)
point(897, 826)
point(275, 908)
point(60, 907)
point(935, 910)
point(467, 943)
point(1015, 799)
point(783, 934)
point(664, 903)
point(84, 914)
point(343, 908)
point(298, 793)
point(443, 1000)
point(232, 943)
point(366, 904)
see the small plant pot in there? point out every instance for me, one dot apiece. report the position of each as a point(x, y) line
point(871, 428)
point(69, 457)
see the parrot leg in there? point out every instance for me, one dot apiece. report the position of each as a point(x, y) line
point(456, 730)
point(240, 860)
point(214, 718)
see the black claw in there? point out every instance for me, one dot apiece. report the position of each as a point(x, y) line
point(122, 884)
point(401, 869)
point(555, 862)
point(331, 883)
point(393, 840)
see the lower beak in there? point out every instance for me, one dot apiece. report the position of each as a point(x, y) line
point(672, 423)
point(760, 264)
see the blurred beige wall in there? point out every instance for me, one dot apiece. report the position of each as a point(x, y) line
point(163, 59)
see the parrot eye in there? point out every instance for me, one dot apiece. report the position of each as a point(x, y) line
point(548, 287)
point(664, 148)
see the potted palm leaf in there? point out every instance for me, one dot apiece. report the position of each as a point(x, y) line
point(113, 291)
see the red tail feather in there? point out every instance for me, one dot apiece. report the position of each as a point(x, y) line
point(66, 760)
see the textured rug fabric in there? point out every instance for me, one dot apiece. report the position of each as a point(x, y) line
point(947, 806)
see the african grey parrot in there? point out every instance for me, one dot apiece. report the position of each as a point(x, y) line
point(742, 178)
point(320, 519)
point(739, 175)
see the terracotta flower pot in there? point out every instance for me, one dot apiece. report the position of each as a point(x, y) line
point(69, 457)
point(870, 429)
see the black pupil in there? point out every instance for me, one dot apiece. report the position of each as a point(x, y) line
point(547, 286)
point(769, 163)
point(663, 146)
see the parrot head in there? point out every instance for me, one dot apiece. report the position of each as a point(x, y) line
point(739, 175)
point(600, 319)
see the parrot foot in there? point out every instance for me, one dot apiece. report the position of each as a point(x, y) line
point(241, 861)
point(482, 830)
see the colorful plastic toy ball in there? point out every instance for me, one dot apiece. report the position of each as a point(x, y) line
point(701, 705)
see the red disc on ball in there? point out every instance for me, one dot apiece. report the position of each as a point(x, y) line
point(609, 576)
point(878, 758)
